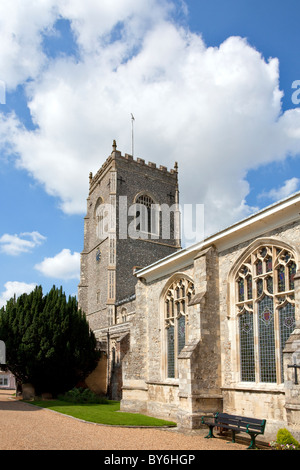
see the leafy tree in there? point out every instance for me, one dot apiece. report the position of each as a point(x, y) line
point(48, 340)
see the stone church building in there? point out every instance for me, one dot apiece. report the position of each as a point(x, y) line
point(186, 332)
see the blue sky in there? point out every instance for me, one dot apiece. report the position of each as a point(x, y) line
point(210, 86)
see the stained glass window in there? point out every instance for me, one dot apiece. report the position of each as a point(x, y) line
point(292, 272)
point(259, 268)
point(249, 287)
point(263, 324)
point(171, 352)
point(281, 278)
point(263, 252)
point(176, 317)
point(247, 347)
point(260, 286)
point(266, 340)
point(167, 308)
point(269, 281)
point(183, 291)
point(287, 326)
point(241, 290)
point(269, 265)
point(244, 270)
point(181, 333)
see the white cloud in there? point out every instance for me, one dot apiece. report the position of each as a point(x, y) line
point(22, 23)
point(217, 111)
point(93, 22)
point(24, 242)
point(15, 288)
point(289, 187)
point(64, 265)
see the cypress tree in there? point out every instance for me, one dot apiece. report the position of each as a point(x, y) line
point(48, 340)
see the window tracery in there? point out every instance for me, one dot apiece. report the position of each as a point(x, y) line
point(265, 311)
point(176, 300)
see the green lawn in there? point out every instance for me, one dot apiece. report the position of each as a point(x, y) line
point(103, 414)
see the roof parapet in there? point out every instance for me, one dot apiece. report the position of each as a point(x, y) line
point(116, 154)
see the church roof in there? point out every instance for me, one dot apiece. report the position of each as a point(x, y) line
point(273, 216)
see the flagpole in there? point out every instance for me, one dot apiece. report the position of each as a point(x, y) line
point(132, 141)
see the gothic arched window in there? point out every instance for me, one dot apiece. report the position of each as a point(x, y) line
point(146, 215)
point(124, 314)
point(176, 300)
point(266, 312)
point(99, 217)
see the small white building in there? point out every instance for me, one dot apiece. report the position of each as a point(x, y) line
point(7, 380)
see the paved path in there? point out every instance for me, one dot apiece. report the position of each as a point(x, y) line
point(25, 427)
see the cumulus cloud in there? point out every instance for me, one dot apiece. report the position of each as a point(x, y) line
point(64, 265)
point(14, 245)
point(15, 288)
point(289, 187)
point(215, 110)
point(25, 24)
point(22, 25)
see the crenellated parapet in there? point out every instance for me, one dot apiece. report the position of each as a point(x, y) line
point(116, 157)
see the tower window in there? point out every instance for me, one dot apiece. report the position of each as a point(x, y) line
point(147, 215)
point(99, 217)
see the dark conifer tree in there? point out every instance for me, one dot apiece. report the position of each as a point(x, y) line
point(48, 340)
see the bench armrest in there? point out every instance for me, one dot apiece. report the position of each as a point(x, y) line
point(261, 431)
point(208, 419)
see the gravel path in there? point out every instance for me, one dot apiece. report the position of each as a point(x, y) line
point(25, 427)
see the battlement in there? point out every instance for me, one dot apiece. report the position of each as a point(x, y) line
point(116, 157)
point(118, 240)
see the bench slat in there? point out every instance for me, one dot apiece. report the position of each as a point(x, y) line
point(236, 424)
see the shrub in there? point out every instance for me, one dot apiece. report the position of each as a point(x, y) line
point(285, 441)
point(82, 395)
point(48, 341)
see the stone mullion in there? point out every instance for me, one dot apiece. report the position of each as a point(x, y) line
point(277, 339)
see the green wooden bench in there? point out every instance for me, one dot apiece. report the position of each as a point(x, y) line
point(235, 424)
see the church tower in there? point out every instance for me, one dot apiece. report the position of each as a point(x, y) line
point(132, 221)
